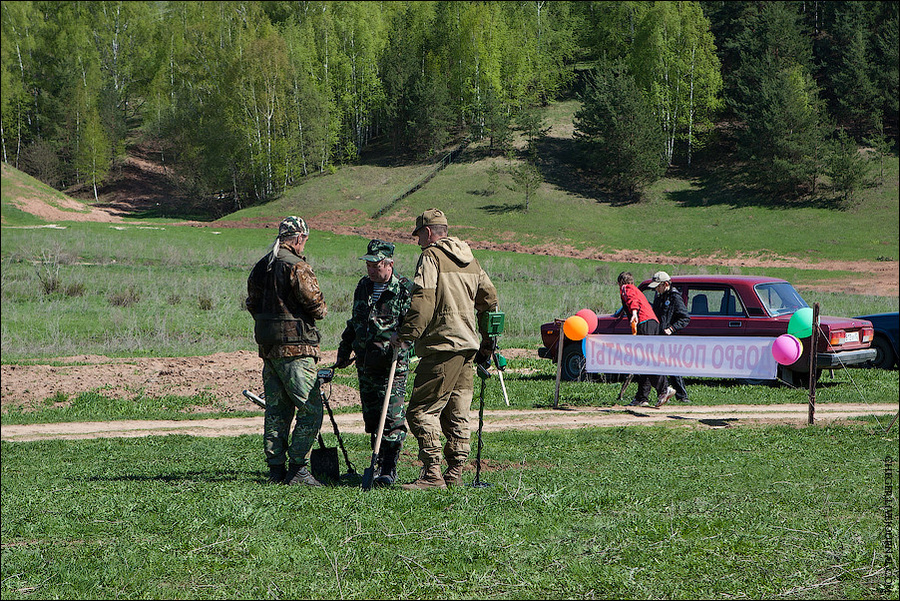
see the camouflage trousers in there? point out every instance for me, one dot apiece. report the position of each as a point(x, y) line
point(372, 386)
point(291, 388)
point(440, 401)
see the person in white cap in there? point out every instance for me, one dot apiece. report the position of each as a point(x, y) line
point(673, 316)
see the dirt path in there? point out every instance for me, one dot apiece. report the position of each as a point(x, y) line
point(719, 416)
point(222, 376)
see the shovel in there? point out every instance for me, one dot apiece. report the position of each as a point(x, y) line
point(369, 472)
point(323, 462)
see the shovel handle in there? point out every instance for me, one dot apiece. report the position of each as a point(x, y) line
point(384, 405)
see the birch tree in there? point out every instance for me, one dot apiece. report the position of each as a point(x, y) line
point(674, 62)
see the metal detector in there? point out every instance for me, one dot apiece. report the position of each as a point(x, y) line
point(325, 376)
point(493, 327)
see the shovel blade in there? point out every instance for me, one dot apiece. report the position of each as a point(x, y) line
point(324, 464)
point(368, 477)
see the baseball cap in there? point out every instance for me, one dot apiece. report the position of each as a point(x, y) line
point(378, 250)
point(291, 226)
point(430, 217)
point(658, 278)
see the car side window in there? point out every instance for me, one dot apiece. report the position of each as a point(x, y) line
point(698, 302)
point(714, 301)
point(731, 304)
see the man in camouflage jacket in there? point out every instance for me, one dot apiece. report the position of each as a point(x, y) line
point(451, 292)
point(380, 303)
point(284, 298)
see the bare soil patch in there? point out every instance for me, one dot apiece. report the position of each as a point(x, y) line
point(223, 376)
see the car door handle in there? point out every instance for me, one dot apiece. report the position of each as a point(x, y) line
point(734, 324)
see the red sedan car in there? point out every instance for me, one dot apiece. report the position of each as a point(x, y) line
point(735, 305)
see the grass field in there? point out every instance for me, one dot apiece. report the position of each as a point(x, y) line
point(626, 513)
point(700, 213)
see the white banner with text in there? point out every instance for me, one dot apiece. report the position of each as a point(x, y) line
point(701, 356)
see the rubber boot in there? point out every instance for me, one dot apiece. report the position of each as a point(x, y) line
point(299, 475)
point(453, 475)
point(387, 472)
point(430, 477)
point(277, 473)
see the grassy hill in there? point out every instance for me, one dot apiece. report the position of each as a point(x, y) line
point(20, 191)
point(697, 214)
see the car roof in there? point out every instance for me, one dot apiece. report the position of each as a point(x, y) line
point(722, 279)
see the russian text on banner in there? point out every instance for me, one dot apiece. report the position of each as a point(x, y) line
point(699, 356)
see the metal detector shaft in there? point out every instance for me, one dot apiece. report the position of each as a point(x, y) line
point(255, 399)
point(477, 483)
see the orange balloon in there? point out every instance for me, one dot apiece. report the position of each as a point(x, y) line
point(575, 328)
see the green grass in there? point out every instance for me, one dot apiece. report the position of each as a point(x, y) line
point(17, 185)
point(610, 513)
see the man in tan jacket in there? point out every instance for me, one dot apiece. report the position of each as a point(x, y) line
point(450, 293)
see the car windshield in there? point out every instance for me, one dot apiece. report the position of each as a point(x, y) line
point(779, 298)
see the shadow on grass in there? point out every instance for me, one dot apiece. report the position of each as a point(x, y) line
point(503, 209)
point(717, 174)
point(348, 479)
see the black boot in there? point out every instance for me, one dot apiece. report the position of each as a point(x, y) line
point(387, 458)
point(298, 474)
point(277, 472)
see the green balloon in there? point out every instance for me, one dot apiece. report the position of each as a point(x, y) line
point(800, 324)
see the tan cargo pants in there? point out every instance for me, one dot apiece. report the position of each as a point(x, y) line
point(440, 401)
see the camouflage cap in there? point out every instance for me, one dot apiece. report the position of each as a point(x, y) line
point(378, 250)
point(291, 226)
point(430, 217)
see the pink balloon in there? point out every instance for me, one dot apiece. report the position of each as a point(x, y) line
point(590, 317)
point(787, 349)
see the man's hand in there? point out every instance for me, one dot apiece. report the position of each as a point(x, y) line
point(397, 343)
point(485, 351)
point(668, 331)
point(342, 362)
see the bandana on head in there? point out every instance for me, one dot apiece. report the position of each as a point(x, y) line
point(288, 228)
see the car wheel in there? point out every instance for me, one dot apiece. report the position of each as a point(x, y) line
point(572, 363)
point(884, 353)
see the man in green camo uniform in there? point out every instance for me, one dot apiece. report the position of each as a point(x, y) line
point(284, 298)
point(451, 293)
point(380, 303)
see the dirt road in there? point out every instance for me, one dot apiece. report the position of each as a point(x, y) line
point(718, 416)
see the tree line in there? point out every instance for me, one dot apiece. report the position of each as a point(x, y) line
point(248, 98)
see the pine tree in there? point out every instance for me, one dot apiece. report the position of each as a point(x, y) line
point(617, 133)
point(783, 118)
